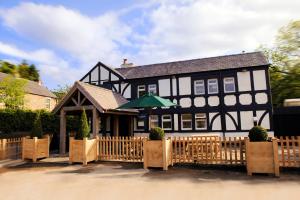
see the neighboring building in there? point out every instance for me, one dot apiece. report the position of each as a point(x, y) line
point(223, 95)
point(36, 97)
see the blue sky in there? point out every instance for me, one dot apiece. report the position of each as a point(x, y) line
point(67, 38)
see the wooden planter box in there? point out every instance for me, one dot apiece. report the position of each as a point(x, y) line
point(34, 148)
point(83, 151)
point(158, 153)
point(262, 157)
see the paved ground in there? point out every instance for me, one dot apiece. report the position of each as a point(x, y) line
point(58, 180)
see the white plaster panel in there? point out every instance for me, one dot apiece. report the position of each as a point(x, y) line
point(213, 101)
point(176, 122)
point(245, 99)
point(217, 122)
point(127, 92)
point(261, 98)
point(266, 120)
point(185, 102)
point(86, 79)
point(199, 101)
point(246, 120)
point(114, 77)
point(259, 78)
point(104, 74)
point(244, 83)
point(185, 86)
point(229, 123)
point(174, 85)
point(95, 75)
point(117, 88)
point(164, 87)
point(230, 100)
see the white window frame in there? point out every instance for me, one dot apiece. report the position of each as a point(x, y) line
point(184, 120)
point(229, 80)
point(153, 119)
point(169, 119)
point(210, 84)
point(152, 88)
point(200, 116)
point(48, 103)
point(141, 88)
point(199, 83)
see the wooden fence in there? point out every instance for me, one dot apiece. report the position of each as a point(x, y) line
point(289, 151)
point(209, 150)
point(128, 149)
point(11, 148)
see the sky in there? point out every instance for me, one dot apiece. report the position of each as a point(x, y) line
point(65, 39)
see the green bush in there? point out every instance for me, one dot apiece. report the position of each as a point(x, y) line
point(84, 129)
point(156, 133)
point(258, 134)
point(37, 129)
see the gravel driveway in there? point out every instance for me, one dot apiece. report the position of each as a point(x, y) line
point(55, 179)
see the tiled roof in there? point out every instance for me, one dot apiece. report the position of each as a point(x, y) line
point(196, 65)
point(34, 88)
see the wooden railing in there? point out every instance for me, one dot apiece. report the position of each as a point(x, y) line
point(11, 148)
point(209, 150)
point(289, 151)
point(128, 149)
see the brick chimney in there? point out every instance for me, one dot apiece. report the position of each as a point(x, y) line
point(126, 64)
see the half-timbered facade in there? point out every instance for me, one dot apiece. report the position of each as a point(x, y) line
point(225, 94)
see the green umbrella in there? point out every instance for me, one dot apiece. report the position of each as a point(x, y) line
point(148, 101)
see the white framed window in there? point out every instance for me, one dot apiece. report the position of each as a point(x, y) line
point(141, 90)
point(229, 85)
point(48, 103)
point(153, 120)
point(199, 87)
point(200, 121)
point(212, 86)
point(139, 122)
point(186, 121)
point(152, 89)
point(167, 122)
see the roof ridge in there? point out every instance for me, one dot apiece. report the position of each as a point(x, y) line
point(178, 61)
point(91, 85)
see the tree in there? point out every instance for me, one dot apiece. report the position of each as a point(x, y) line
point(285, 62)
point(28, 72)
point(61, 91)
point(37, 130)
point(12, 92)
point(84, 129)
point(8, 68)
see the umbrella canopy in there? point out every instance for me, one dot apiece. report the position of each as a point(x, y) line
point(148, 101)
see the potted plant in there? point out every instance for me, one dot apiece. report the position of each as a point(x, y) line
point(37, 145)
point(83, 149)
point(261, 153)
point(157, 149)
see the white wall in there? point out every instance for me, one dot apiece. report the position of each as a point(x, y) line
point(185, 102)
point(261, 98)
point(95, 75)
point(244, 83)
point(259, 77)
point(246, 120)
point(127, 92)
point(185, 86)
point(230, 100)
point(217, 122)
point(229, 123)
point(164, 87)
point(213, 101)
point(104, 73)
point(175, 122)
point(199, 101)
point(245, 99)
point(266, 120)
point(174, 85)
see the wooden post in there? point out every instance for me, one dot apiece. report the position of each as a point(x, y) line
point(165, 164)
point(249, 171)
point(35, 143)
point(4, 144)
point(62, 135)
point(84, 151)
point(97, 147)
point(276, 162)
point(116, 126)
point(71, 150)
point(95, 122)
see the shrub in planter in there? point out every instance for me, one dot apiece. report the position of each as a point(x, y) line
point(82, 149)
point(36, 146)
point(261, 154)
point(157, 150)
point(258, 134)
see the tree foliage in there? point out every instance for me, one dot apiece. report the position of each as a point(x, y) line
point(37, 130)
point(23, 70)
point(285, 63)
point(12, 92)
point(84, 129)
point(61, 91)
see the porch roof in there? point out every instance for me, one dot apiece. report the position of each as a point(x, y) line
point(104, 100)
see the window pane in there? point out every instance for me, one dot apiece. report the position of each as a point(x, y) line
point(187, 124)
point(186, 117)
point(201, 124)
point(199, 87)
point(141, 90)
point(229, 85)
point(167, 125)
point(153, 121)
point(152, 89)
point(212, 86)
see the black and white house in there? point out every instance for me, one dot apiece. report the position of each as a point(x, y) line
point(227, 95)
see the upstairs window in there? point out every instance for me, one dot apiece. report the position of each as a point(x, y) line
point(186, 121)
point(212, 86)
point(199, 87)
point(152, 89)
point(141, 90)
point(229, 85)
point(48, 103)
point(200, 121)
point(167, 122)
